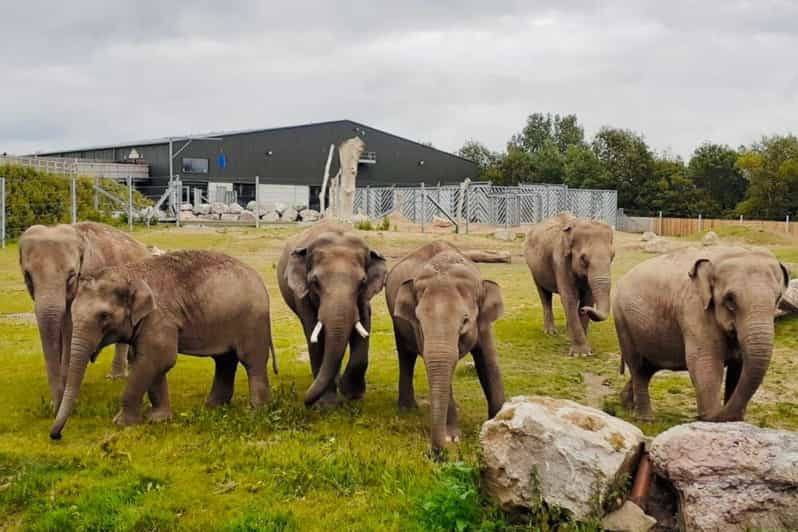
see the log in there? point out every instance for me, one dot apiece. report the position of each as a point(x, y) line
point(477, 255)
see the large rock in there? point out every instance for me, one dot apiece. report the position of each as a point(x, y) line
point(710, 239)
point(788, 304)
point(438, 221)
point(649, 236)
point(566, 453)
point(309, 215)
point(218, 208)
point(278, 207)
point(658, 245)
point(229, 217)
point(731, 476)
point(247, 216)
point(186, 216)
point(251, 205)
point(186, 207)
point(628, 518)
point(202, 208)
point(289, 214)
point(271, 216)
point(234, 208)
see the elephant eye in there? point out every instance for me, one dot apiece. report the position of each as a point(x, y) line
point(103, 315)
point(584, 259)
point(729, 302)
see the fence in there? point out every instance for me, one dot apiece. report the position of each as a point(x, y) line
point(485, 203)
point(666, 226)
point(25, 201)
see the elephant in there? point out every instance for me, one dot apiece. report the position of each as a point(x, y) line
point(442, 309)
point(327, 277)
point(198, 303)
point(52, 260)
point(572, 257)
point(700, 310)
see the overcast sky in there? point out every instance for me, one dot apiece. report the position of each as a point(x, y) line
point(97, 71)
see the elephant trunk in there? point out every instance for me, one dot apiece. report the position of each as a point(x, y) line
point(81, 351)
point(600, 288)
point(756, 342)
point(440, 355)
point(338, 321)
point(51, 314)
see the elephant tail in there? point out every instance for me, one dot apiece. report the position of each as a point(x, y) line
point(622, 367)
point(274, 357)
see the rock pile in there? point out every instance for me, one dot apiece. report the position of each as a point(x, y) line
point(216, 211)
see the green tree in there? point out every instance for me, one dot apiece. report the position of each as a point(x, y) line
point(675, 194)
point(583, 169)
point(771, 168)
point(630, 165)
point(485, 159)
point(516, 166)
point(567, 132)
point(713, 169)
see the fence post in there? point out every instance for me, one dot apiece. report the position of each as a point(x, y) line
point(3, 211)
point(423, 205)
point(660, 223)
point(130, 203)
point(787, 224)
point(96, 193)
point(176, 193)
point(741, 218)
point(467, 206)
point(368, 197)
point(74, 199)
point(257, 202)
point(700, 224)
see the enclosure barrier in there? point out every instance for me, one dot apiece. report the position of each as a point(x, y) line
point(669, 226)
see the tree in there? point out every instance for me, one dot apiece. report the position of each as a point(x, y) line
point(582, 169)
point(540, 129)
point(713, 169)
point(675, 194)
point(516, 166)
point(630, 165)
point(567, 132)
point(771, 168)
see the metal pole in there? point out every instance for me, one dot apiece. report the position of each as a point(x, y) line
point(171, 173)
point(96, 194)
point(176, 191)
point(741, 218)
point(3, 211)
point(423, 205)
point(73, 194)
point(700, 224)
point(257, 202)
point(130, 203)
point(787, 224)
point(506, 214)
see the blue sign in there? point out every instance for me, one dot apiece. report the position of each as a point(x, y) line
point(222, 161)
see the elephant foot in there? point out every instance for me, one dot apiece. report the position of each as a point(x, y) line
point(408, 403)
point(722, 418)
point(550, 330)
point(627, 397)
point(352, 390)
point(328, 400)
point(213, 402)
point(582, 350)
point(116, 375)
point(159, 415)
point(126, 419)
point(452, 435)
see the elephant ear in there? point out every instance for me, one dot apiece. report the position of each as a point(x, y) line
point(376, 272)
point(142, 301)
point(701, 274)
point(567, 238)
point(491, 306)
point(786, 273)
point(405, 305)
point(297, 272)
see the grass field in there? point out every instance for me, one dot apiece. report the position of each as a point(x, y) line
point(362, 466)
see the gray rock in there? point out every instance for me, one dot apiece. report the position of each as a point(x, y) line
point(271, 216)
point(186, 207)
point(234, 208)
point(731, 476)
point(289, 215)
point(247, 216)
point(218, 208)
point(710, 239)
point(309, 215)
point(566, 453)
point(251, 206)
point(788, 304)
point(648, 236)
point(278, 207)
point(229, 217)
point(186, 216)
point(202, 208)
point(658, 245)
point(628, 518)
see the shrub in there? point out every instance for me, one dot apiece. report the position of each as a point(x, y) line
point(364, 225)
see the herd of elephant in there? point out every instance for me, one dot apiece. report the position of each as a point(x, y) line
point(704, 310)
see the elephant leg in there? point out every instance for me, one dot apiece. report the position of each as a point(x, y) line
point(316, 353)
point(585, 300)
point(223, 380)
point(570, 302)
point(407, 365)
point(706, 372)
point(157, 360)
point(488, 372)
point(641, 377)
point(733, 370)
point(353, 381)
point(548, 314)
point(627, 395)
point(158, 394)
point(254, 362)
point(629, 358)
point(119, 364)
point(452, 427)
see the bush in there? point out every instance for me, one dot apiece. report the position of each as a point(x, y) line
point(364, 225)
point(36, 197)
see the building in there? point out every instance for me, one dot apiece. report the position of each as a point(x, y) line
point(289, 161)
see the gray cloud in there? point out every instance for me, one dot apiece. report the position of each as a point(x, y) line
point(88, 72)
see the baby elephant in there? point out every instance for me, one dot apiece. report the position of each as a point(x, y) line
point(700, 310)
point(194, 302)
point(442, 308)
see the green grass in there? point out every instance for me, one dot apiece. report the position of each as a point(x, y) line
point(361, 466)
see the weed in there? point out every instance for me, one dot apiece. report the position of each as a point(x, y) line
point(256, 521)
point(364, 225)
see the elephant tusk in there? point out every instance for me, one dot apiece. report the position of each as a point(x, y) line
point(314, 336)
point(361, 330)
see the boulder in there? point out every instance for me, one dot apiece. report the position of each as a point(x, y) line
point(710, 239)
point(247, 216)
point(271, 216)
point(438, 221)
point(289, 214)
point(202, 208)
point(658, 245)
point(788, 304)
point(730, 476)
point(648, 236)
point(309, 215)
point(156, 251)
point(278, 207)
point(251, 205)
point(229, 217)
point(234, 208)
point(504, 234)
point(186, 207)
point(628, 518)
point(568, 454)
point(218, 208)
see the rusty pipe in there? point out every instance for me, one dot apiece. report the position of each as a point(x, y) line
point(642, 481)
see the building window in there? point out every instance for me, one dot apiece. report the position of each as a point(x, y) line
point(195, 166)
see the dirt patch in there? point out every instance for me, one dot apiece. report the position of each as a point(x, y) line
point(25, 318)
point(597, 388)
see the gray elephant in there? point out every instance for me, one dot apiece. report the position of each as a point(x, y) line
point(52, 260)
point(700, 310)
point(572, 257)
point(194, 302)
point(442, 309)
point(328, 276)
